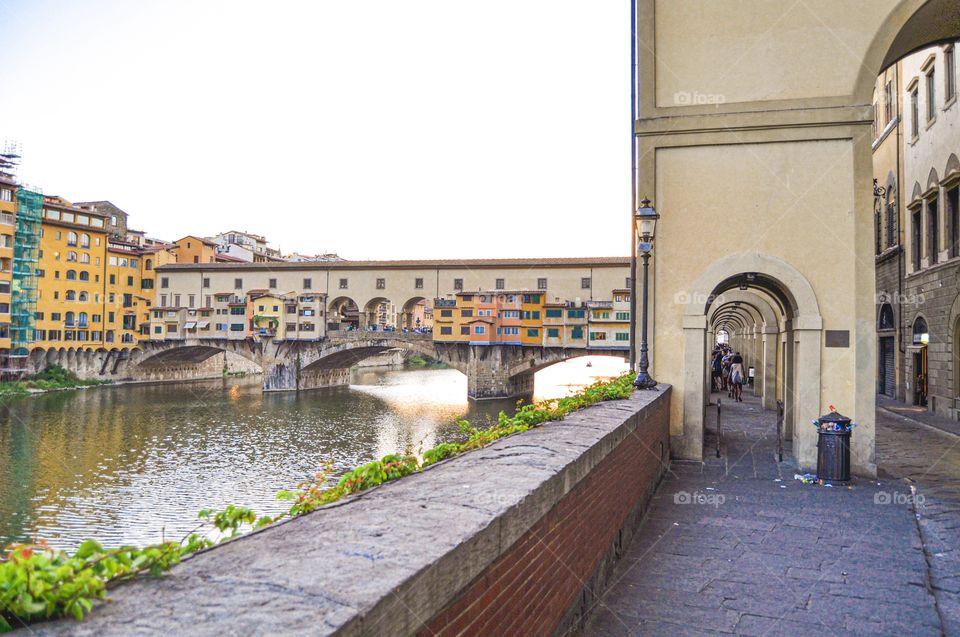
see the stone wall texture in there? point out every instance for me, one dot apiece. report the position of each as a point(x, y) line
point(515, 538)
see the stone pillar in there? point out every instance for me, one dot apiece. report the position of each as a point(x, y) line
point(488, 376)
point(710, 339)
point(756, 360)
point(767, 374)
point(807, 407)
point(689, 445)
point(789, 396)
point(310, 379)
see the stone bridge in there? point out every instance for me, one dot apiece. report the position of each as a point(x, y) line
point(492, 371)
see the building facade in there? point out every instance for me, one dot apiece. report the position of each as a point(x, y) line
point(932, 230)
point(522, 317)
point(888, 223)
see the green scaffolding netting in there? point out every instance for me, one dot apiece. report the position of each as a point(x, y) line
point(26, 255)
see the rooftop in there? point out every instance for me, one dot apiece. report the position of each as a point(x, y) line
point(447, 264)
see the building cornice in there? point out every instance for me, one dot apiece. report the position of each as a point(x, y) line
point(428, 264)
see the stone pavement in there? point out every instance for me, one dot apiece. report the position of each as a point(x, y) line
point(929, 459)
point(919, 414)
point(736, 545)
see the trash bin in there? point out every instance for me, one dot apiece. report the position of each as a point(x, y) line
point(833, 447)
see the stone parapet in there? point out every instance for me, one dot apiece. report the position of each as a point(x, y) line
point(514, 538)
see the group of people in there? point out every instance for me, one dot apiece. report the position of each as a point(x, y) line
point(728, 374)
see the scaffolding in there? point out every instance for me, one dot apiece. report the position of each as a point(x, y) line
point(26, 256)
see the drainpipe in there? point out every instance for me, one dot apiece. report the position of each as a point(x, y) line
point(633, 184)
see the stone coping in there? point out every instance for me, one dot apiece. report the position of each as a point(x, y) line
point(380, 563)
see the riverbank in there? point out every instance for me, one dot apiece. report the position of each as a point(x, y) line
point(36, 387)
point(424, 362)
point(53, 378)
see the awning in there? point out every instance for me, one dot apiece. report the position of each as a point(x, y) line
point(190, 325)
point(203, 325)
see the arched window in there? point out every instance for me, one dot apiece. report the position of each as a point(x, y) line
point(71, 275)
point(149, 264)
point(84, 241)
point(72, 256)
point(71, 295)
point(921, 335)
point(84, 275)
point(71, 238)
point(68, 319)
point(83, 297)
point(82, 319)
point(84, 257)
point(885, 321)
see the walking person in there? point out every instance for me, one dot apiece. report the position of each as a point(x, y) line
point(725, 373)
point(715, 370)
point(737, 377)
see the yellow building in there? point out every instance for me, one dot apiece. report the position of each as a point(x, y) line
point(72, 291)
point(128, 292)
point(445, 327)
point(95, 289)
point(268, 314)
point(531, 318)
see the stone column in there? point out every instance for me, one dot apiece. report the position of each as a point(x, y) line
point(768, 370)
point(689, 446)
point(789, 396)
point(710, 339)
point(807, 407)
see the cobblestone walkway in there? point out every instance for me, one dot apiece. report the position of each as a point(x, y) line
point(736, 545)
point(929, 459)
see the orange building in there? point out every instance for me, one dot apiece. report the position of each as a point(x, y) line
point(193, 249)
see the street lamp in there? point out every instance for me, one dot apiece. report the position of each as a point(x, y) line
point(645, 221)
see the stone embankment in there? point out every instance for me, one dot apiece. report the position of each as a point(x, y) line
point(515, 538)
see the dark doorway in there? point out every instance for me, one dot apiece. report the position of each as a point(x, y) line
point(887, 381)
point(920, 377)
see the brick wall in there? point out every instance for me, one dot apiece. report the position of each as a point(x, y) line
point(550, 578)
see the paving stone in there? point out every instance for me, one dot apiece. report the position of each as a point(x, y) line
point(791, 559)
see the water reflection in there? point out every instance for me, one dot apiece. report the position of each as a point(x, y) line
point(134, 464)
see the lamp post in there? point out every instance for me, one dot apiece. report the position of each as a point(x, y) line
point(645, 221)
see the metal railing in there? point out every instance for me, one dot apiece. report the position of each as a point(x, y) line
point(719, 428)
point(780, 430)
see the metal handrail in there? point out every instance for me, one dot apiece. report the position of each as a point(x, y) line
point(719, 428)
point(780, 430)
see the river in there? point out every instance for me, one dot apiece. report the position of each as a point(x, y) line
point(132, 464)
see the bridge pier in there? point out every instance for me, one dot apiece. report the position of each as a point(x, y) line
point(286, 377)
point(489, 375)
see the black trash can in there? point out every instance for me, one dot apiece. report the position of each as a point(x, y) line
point(833, 448)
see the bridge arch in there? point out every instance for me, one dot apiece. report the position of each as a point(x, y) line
point(750, 279)
point(529, 367)
point(379, 311)
point(410, 315)
point(343, 314)
point(340, 353)
point(161, 359)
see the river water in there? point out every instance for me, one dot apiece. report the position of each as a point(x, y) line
point(133, 464)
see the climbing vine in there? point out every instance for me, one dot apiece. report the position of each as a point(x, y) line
point(39, 582)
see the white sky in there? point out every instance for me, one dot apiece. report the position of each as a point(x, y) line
point(374, 128)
